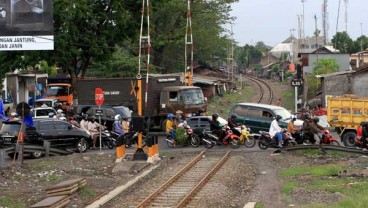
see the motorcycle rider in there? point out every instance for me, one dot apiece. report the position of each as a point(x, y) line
point(216, 127)
point(315, 129)
point(117, 128)
point(93, 130)
point(170, 125)
point(84, 123)
point(364, 136)
point(276, 130)
point(231, 122)
point(307, 132)
point(178, 122)
point(59, 114)
point(293, 130)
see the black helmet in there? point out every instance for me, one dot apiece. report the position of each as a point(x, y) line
point(278, 117)
point(316, 119)
point(233, 116)
point(365, 124)
point(215, 116)
point(306, 116)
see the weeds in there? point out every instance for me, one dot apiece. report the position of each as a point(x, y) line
point(86, 192)
point(8, 202)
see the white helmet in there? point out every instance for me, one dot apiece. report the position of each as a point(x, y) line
point(117, 117)
point(13, 114)
point(293, 117)
point(59, 111)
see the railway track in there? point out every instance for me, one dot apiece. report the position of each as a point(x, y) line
point(266, 92)
point(183, 186)
point(326, 147)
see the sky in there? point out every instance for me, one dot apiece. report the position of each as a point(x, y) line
point(272, 21)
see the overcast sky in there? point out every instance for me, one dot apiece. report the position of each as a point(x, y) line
point(270, 21)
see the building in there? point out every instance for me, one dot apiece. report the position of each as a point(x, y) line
point(359, 59)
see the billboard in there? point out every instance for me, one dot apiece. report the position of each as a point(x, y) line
point(26, 25)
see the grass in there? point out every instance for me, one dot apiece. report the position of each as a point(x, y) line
point(353, 190)
point(259, 205)
point(86, 192)
point(42, 165)
point(8, 202)
point(52, 177)
point(315, 152)
point(288, 98)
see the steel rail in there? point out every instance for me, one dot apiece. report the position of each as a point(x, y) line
point(269, 89)
point(151, 197)
point(325, 147)
point(201, 183)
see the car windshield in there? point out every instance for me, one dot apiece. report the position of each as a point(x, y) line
point(11, 128)
point(283, 113)
point(57, 91)
point(193, 96)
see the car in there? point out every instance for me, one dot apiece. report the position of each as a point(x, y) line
point(200, 123)
point(42, 112)
point(59, 133)
point(258, 117)
point(48, 102)
point(108, 113)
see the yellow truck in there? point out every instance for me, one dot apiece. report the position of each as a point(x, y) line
point(345, 113)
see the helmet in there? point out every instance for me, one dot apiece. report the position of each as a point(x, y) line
point(233, 116)
point(306, 116)
point(13, 114)
point(170, 116)
point(215, 116)
point(59, 111)
point(92, 118)
point(316, 119)
point(293, 117)
point(179, 112)
point(278, 117)
point(51, 115)
point(117, 117)
point(62, 118)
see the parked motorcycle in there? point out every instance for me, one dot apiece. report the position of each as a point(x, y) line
point(265, 140)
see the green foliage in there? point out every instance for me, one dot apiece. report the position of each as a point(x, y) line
point(343, 42)
point(180, 136)
point(323, 170)
point(86, 192)
point(45, 68)
point(8, 202)
point(249, 55)
point(289, 186)
point(323, 66)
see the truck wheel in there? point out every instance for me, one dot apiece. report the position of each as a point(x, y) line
point(349, 139)
point(36, 155)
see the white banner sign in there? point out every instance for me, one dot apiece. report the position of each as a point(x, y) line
point(26, 43)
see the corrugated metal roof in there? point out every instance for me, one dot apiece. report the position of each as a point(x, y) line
point(335, 74)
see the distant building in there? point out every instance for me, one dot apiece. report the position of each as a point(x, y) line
point(359, 59)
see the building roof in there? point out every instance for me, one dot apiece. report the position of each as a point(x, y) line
point(334, 74)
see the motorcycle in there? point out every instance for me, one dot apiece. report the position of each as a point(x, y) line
point(208, 139)
point(328, 139)
point(231, 138)
point(132, 138)
point(191, 138)
point(246, 137)
point(265, 140)
point(107, 139)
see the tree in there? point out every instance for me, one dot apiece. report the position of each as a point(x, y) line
point(360, 44)
point(323, 66)
point(343, 42)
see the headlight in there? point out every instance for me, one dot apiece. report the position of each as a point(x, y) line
point(189, 115)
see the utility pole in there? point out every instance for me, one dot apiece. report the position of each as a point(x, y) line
point(189, 44)
point(346, 15)
point(302, 25)
point(325, 22)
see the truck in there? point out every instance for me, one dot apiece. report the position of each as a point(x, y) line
point(166, 95)
point(60, 88)
point(345, 113)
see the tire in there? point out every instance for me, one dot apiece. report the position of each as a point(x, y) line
point(82, 145)
point(335, 143)
point(36, 155)
point(209, 144)
point(250, 143)
point(171, 142)
point(235, 143)
point(349, 139)
point(195, 140)
point(261, 145)
point(110, 144)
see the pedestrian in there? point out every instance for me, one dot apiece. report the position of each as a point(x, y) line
point(279, 102)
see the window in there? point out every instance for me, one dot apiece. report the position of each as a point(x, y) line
point(61, 126)
point(109, 113)
point(44, 112)
point(241, 110)
point(193, 122)
point(173, 96)
point(205, 123)
point(253, 112)
point(267, 115)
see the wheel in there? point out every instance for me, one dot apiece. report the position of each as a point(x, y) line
point(36, 155)
point(250, 142)
point(208, 143)
point(349, 139)
point(334, 142)
point(82, 145)
point(235, 143)
point(261, 145)
point(110, 144)
point(170, 142)
point(194, 140)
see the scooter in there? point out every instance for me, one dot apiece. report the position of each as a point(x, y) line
point(107, 139)
point(208, 139)
point(265, 140)
point(231, 138)
point(246, 137)
point(191, 138)
point(328, 139)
